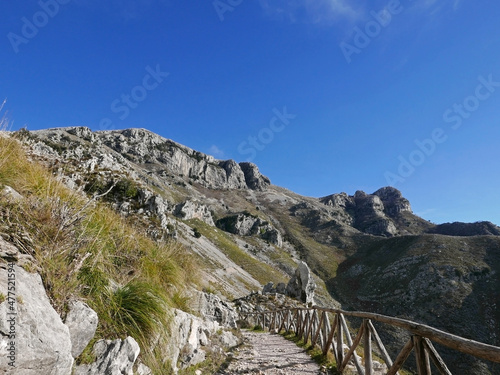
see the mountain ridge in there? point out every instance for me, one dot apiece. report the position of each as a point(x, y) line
point(364, 249)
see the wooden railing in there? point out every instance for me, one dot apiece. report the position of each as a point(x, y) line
point(313, 325)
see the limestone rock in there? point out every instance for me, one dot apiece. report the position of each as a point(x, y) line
point(268, 288)
point(117, 150)
point(82, 323)
point(245, 224)
point(11, 253)
point(42, 341)
point(142, 369)
point(213, 308)
point(229, 340)
point(393, 200)
point(82, 132)
point(280, 288)
point(194, 210)
point(254, 179)
point(370, 213)
point(113, 358)
point(188, 334)
point(302, 284)
point(10, 194)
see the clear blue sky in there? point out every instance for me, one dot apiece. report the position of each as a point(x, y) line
point(323, 95)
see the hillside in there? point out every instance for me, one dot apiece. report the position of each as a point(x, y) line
point(228, 230)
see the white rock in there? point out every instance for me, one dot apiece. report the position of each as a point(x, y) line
point(42, 341)
point(113, 358)
point(82, 323)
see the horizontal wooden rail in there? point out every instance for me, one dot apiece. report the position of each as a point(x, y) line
point(313, 324)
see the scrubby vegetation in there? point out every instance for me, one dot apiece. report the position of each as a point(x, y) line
point(84, 250)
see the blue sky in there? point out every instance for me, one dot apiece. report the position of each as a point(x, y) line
point(323, 95)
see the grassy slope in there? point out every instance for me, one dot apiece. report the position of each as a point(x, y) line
point(85, 250)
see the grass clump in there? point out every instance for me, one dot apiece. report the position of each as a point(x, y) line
point(137, 309)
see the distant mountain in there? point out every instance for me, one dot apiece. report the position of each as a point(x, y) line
point(368, 251)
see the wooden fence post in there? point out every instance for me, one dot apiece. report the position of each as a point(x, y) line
point(422, 357)
point(367, 343)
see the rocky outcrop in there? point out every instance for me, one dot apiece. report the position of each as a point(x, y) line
point(194, 210)
point(81, 321)
point(393, 201)
point(254, 179)
point(370, 213)
point(117, 149)
point(212, 308)
point(271, 288)
point(302, 284)
point(245, 224)
point(113, 358)
point(193, 337)
point(40, 339)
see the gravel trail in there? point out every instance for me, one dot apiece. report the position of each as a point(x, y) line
point(265, 353)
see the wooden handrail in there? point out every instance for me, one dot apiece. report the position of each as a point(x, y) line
point(307, 325)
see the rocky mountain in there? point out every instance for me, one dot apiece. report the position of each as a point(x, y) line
point(366, 251)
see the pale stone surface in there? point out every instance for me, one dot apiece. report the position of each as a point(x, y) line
point(271, 354)
point(42, 341)
point(113, 358)
point(212, 308)
point(10, 194)
point(302, 284)
point(82, 323)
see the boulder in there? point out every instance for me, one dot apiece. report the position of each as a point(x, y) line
point(142, 369)
point(115, 357)
point(82, 324)
point(212, 308)
point(10, 194)
point(302, 284)
point(40, 338)
point(189, 334)
point(280, 288)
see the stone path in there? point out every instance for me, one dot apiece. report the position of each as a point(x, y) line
point(264, 353)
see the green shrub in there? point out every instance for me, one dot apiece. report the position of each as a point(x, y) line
point(196, 232)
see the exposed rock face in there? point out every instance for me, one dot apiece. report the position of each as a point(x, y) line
point(302, 284)
point(142, 147)
point(82, 324)
point(192, 337)
point(113, 357)
point(212, 308)
point(370, 213)
point(42, 341)
point(393, 200)
point(245, 224)
point(194, 210)
point(354, 232)
point(254, 179)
